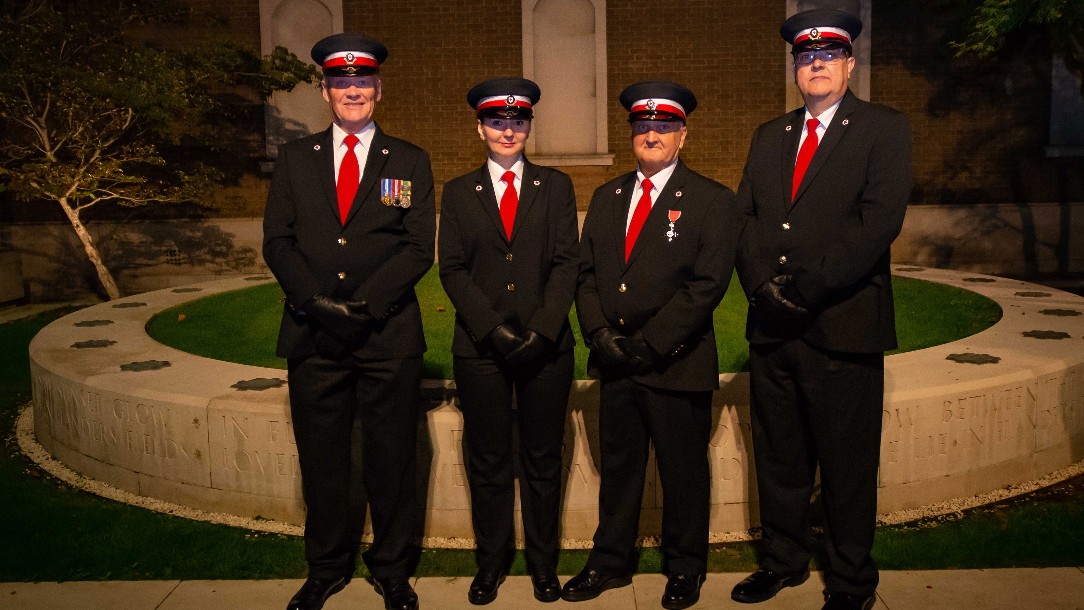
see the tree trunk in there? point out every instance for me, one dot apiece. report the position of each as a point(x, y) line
point(95, 257)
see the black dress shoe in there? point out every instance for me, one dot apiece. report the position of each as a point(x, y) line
point(546, 586)
point(682, 591)
point(590, 583)
point(397, 592)
point(315, 592)
point(848, 601)
point(762, 585)
point(483, 589)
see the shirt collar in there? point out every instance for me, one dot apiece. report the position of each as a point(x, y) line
point(338, 134)
point(660, 179)
point(496, 171)
point(826, 117)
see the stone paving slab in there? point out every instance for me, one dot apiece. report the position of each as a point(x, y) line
point(1050, 588)
point(129, 595)
point(1044, 589)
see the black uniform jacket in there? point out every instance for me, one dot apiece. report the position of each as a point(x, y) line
point(835, 239)
point(377, 257)
point(528, 281)
point(671, 283)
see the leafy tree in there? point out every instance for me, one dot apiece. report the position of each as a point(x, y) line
point(993, 22)
point(100, 103)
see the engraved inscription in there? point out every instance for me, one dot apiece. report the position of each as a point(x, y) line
point(459, 469)
point(137, 435)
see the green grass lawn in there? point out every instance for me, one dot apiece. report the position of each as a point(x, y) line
point(241, 326)
point(51, 531)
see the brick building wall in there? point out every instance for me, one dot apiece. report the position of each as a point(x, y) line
point(979, 129)
point(439, 51)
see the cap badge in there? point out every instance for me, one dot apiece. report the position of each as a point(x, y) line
point(511, 100)
point(815, 34)
point(350, 69)
point(650, 104)
point(349, 58)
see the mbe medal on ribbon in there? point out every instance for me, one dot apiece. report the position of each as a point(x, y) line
point(395, 192)
point(673, 216)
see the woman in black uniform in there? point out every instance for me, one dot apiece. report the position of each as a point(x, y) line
point(508, 261)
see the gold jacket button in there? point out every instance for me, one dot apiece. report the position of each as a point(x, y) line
point(342, 275)
point(508, 257)
point(621, 321)
point(786, 226)
point(342, 241)
point(511, 287)
point(782, 260)
point(622, 288)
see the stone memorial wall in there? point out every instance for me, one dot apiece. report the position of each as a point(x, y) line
point(999, 408)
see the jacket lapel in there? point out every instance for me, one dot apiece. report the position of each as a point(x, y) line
point(658, 221)
point(622, 201)
point(528, 193)
point(832, 136)
point(487, 198)
point(375, 158)
point(789, 149)
point(325, 162)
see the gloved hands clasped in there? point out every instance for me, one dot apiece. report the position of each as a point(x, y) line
point(778, 301)
point(517, 349)
point(346, 320)
point(632, 354)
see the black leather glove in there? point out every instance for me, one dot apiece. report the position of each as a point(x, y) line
point(504, 340)
point(532, 348)
point(641, 355)
point(346, 320)
point(606, 342)
point(778, 300)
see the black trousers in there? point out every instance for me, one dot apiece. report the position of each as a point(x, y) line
point(326, 396)
point(485, 391)
point(678, 424)
point(814, 407)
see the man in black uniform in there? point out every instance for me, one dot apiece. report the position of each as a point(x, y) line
point(823, 196)
point(348, 231)
point(656, 256)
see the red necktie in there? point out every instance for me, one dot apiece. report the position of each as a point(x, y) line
point(639, 215)
point(349, 175)
point(509, 202)
point(805, 155)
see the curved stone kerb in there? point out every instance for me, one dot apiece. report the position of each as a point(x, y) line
point(187, 433)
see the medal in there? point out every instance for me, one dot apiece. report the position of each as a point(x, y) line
point(395, 192)
point(674, 215)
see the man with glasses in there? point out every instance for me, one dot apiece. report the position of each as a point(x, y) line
point(822, 196)
point(656, 256)
point(348, 231)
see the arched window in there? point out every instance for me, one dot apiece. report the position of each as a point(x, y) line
point(296, 25)
point(564, 51)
